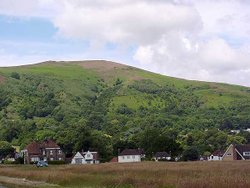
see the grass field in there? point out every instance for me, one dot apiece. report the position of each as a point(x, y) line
point(147, 174)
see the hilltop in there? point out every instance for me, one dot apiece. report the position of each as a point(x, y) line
point(106, 105)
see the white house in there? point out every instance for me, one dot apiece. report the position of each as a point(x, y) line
point(85, 158)
point(162, 156)
point(216, 156)
point(130, 155)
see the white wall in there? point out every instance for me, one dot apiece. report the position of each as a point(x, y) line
point(214, 158)
point(129, 158)
point(78, 159)
point(86, 158)
point(159, 158)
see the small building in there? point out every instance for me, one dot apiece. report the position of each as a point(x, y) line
point(130, 155)
point(114, 160)
point(216, 156)
point(237, 152)
point(162, 156)
point(46, 150)
point(85, 158)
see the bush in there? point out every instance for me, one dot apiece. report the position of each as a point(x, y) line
point(190, 154)
point(15, 75)
point(9, 162)
point(56, 162)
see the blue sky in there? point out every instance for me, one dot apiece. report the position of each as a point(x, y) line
point(38, 37)
point(182, 38)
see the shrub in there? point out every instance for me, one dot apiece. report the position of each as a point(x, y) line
point(9, 162)
point(15, 75)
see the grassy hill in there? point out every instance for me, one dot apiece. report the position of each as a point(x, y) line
point(116, 104)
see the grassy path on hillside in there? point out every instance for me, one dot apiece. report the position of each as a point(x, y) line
point(24, 182)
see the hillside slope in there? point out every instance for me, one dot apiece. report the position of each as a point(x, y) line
point(113, 103)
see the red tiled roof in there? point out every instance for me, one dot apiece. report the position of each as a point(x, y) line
point(114, 160)
point(33, 148)
point(49, 143)
point(218, 153)
point(243, 148)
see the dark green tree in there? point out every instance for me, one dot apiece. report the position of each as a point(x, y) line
point(190, 154)
point(5, 149)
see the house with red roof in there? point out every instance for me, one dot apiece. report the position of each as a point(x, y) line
point(237, 152)
point(46, 150)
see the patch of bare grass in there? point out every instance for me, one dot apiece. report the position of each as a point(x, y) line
point(2, 79)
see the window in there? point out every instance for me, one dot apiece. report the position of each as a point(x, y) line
point(229, 154)
point(34, 159)
point(59, 151)
point(88, 155)
point(51, 152)
point(60, 159)
point(247, 153)
point(128, 157)
point(133, 156)
point(52, 159)
point(123, 157)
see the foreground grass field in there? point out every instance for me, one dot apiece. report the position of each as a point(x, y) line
point(146, 174)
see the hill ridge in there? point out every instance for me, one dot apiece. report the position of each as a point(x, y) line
point(90, 104)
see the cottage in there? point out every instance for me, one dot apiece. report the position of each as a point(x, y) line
point(47, 150)
point(131, 155)
point(85, 158)
point(216, 156)
point(162, 156)
point(237, 152)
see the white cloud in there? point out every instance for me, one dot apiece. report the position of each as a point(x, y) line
point(207, 40)
point(137, 22)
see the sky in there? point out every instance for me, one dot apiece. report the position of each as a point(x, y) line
point(205, 40)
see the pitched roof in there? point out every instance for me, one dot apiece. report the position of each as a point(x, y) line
point(162, 154)
point(243, 148)
point(219, 153)
point(132, 152)
point(33, 148)
point(49, 143)
point(94, 153)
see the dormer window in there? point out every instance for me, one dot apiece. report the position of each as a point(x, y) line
point(246, 153)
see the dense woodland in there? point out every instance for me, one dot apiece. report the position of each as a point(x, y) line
point(84, 109)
